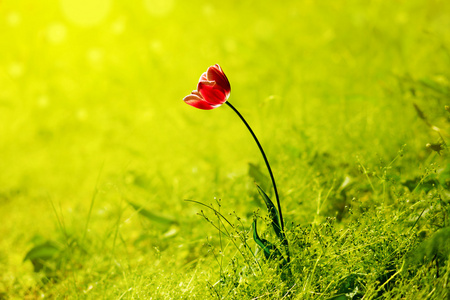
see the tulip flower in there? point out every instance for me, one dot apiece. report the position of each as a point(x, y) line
point(213, 89)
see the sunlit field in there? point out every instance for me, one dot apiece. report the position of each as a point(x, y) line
point(111, 187)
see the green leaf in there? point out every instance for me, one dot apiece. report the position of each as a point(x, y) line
point(349, 287)
point(154, 217)
point(41, 253)
point(444, 178)
point(437, 247)
point(258, 176)
point(273, 214)
point(340, 297)
point(421, 185)
point(435, 86)
point(268, 248)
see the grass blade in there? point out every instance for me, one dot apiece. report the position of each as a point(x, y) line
point(273, 214)
point(41, 253)
point(269, 249)
point(154, 217)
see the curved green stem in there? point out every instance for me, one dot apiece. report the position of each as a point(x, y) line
point(265, 160)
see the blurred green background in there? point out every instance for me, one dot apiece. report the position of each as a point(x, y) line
point(91, 99)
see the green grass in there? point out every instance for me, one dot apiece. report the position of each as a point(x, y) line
point(92, 119)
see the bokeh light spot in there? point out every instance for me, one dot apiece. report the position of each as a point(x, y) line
point(86, 12)
point(159, 7)
point(208, 10)
point(95, 56)
point(81, 115)
point(43, 101)
point(118, 27)
point(13, 19)
point(15, 70)
point(56, 33)
point(156, 46)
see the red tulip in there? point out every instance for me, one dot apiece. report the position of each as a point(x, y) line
point(213, 89)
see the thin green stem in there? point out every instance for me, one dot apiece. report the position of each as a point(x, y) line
point(265, 160)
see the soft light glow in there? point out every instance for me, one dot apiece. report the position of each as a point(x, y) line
point(95, 56)
point(118, 27)
point(13, 19)
point(56, 33)
point(15, 70)
point(159, 7)
point(85, 12)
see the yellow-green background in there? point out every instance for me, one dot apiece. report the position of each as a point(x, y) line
point(91, 99)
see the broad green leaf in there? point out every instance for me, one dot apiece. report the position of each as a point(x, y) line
point(437, 247)
point(258, 176)
point(268, 248)
point(155, 217)
point(273, 214)
point(42, 251)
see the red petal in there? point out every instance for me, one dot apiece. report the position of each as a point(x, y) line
point(198, 102)
point(212, 94)
point(215, 73)
point(206, 82)
point(203, 77)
